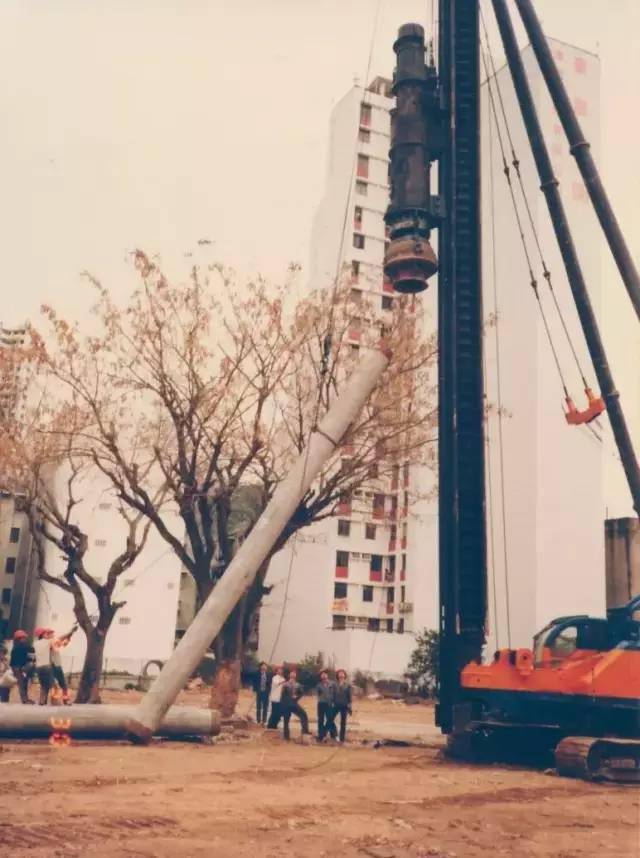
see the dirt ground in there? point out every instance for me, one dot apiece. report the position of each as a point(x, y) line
point(254, 795)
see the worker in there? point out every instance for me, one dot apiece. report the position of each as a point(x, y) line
point(290, 704)
point(342, 701)
point(44, 667)
point(7, 678)
point(277, 682)
point(326, 691)
point(262, 688)
point(56, 661)
point(22, 663)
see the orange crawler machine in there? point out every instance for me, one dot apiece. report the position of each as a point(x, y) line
point(577, 691)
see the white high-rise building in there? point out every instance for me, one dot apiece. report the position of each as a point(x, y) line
point(559, 480)
point(357, 586)
point(553, 473)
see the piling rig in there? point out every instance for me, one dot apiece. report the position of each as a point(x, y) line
point(576, 692)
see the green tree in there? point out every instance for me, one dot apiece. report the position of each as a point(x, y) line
point(424, 662)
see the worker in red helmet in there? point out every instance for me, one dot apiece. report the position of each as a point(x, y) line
point(58, 644)
point(22, 663)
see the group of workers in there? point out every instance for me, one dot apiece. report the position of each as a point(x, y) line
point(281, 695)
point(40, 658)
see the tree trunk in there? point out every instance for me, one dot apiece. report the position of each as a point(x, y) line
point(89, 687)
point(230, 648)
point(226, 686)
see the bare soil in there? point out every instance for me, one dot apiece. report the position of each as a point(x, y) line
point(252, 794)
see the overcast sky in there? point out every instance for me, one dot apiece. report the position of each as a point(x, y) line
point(160, 122)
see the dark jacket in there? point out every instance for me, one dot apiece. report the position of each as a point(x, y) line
point(22, 655)
point(326, 693)
point(291, 693)
point(256, 682)
point(343, 695)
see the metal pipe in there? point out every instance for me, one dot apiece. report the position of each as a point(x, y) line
point(580, 150)
point(256, 547)
point(87, 721)
point(549, 186)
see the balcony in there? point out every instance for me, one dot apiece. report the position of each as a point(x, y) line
point(340, 606)
point(406, 607)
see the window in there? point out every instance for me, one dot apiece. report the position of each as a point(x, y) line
point(339, 590)
point(369, 531)
point(403, 593)
point(405, 473)
point(390, 569)
point(581, 107)
point(378, 506)
point(344, 504)
point(361, 188)
point(365, 114)
point(342, 564)
point(387, 302)
point(104, 506)
point(375, 568)
point(373, 624)
point(391, 595)
point(357, 218)
point(6, 596)
point(100, 542)
point(389, 625)
point(393, 533)
point(171, 586)
point(354, 348)
point(14, 536)
point(342, 558)
point(358, 241)
point(356, 296)
point(364, 135)
point(339, 622)
point(400, 626)
point(373, 471)
point(10, 565)
point(344, 527)
point(125, 621)
point(367, 594)
point(355, 270)
point(580, 65)
point(363, 167)
point(128, 582)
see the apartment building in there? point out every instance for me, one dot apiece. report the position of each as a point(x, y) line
point(349, 586)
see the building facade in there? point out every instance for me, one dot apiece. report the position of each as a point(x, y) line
point(19, 583)
point(144, 628)
point(546, 550)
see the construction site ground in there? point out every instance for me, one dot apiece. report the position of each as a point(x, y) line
point(252, 794)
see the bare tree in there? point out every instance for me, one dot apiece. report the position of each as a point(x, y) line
point(39, 464)
point(200, 388)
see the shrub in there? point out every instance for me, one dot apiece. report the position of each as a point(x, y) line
point(424, 663)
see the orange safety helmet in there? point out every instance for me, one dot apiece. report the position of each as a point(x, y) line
point(19, 635)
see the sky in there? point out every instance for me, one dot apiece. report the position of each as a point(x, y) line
point(159, 123)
